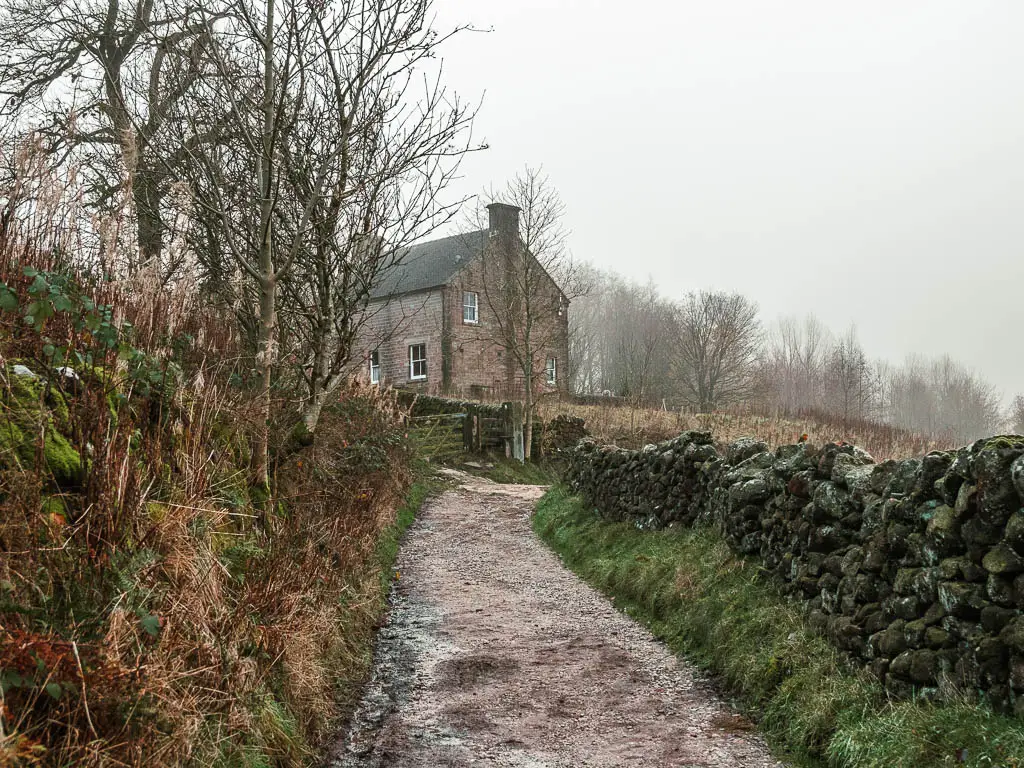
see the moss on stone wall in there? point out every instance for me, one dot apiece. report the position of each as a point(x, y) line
point(33, 418)
point(913, 568)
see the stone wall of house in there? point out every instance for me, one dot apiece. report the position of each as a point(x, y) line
point(480, 365)
point(915, 568)
point(463, 359)
point(393, 325)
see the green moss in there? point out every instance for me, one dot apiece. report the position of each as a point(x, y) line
point(1013, 634)
point(943, 520)
point(706, 603)
point(259, 495)
point(53, 505)
point(62, 460)
point(28, 414)
point(24, 389)
point(1003, 442)
point(18, 449)
point(1001, 559)
point(301, 436)
point(156, 511)
point(228, 437)
point(13, 444)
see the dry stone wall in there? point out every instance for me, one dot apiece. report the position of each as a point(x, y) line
point(433, 405)
point(915, 568)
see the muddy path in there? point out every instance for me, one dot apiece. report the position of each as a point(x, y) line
point(495, 654)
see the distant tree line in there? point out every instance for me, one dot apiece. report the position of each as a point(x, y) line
point(710, 350)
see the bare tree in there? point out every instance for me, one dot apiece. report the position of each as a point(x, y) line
point(849, 379)
point(1016, 415)
point(968, 405)
point(795, 357)
point(620, 339)
point(940, 398)
point(265, 54)
point(718, 344)
point(640, 322)
point(586, 332)
point(327, 163)
point(531, 277)
point(108, 78)
point(393, 151)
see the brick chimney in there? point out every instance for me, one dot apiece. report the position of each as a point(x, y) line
point(503, 222)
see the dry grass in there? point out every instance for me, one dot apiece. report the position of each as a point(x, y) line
point(155, 609)
point(207, 634)
point(634, 427)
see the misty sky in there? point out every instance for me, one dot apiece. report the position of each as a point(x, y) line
point(862, 161)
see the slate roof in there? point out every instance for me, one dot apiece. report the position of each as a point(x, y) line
point(429, 265)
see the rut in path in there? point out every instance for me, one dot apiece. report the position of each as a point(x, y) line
point(495, 654)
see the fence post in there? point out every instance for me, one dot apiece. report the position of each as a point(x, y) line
point(471, 430)
point(513, 417)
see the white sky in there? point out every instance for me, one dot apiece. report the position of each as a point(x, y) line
point(863, 161)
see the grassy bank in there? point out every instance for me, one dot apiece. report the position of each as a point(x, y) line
point(425, 484)
point(160, 603)
point(174, 614)
point(717, 609)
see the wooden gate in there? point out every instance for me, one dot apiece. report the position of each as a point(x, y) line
point(444, 437)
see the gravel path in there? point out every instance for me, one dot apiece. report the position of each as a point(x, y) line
point(495, 654)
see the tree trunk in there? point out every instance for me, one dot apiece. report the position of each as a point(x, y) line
point(528, 416)
point(318, 399)
point(312, 411)
point(146, 196)
point(265, 364)
point(268, 279)
point(322, 382)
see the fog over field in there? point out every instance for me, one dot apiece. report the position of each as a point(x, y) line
point(859, 161)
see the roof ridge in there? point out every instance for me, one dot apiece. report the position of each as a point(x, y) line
point(428, 264)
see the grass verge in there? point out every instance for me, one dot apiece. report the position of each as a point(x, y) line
point(716, 608)
point(425, 483)
point(512, 472)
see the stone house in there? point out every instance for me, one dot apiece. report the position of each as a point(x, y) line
point(433, 322)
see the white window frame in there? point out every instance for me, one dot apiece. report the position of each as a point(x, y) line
point(375, 367)
point(414, 360)
point(551, 369)
point(475, 306)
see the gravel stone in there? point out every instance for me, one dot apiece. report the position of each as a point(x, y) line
point(495, 654)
